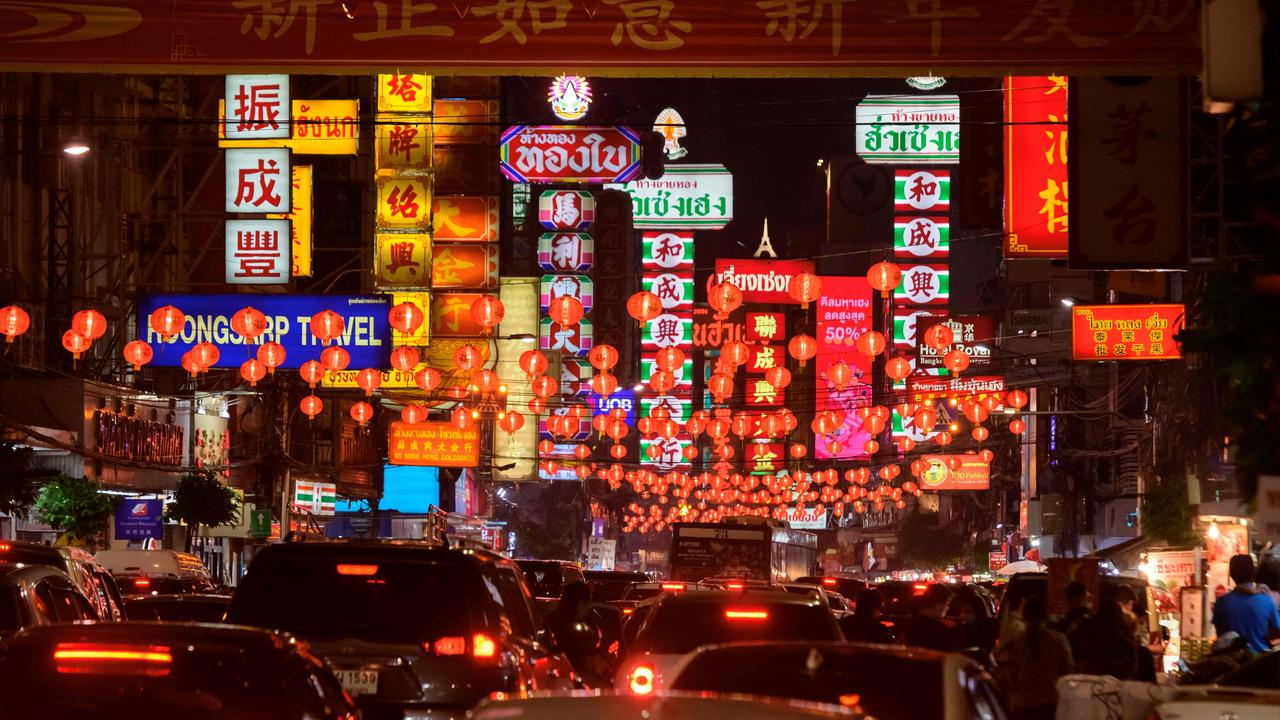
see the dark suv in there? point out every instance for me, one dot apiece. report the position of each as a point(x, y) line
point(409, 629)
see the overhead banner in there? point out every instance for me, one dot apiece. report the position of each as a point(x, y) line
point(616, 37)
point(433, 444)
point(686, 197)
point(1129, 149)
point(1126, 332)
point(569, 154)
point(366, 335)
point(844, 314)
point(908, 129)
point(762, 281)
point(1035, 166)
point(955, 472)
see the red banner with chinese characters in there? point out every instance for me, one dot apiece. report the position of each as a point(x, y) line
point(1126, 332)
point(433, 444)
point(618, 37)
point(1035, 166)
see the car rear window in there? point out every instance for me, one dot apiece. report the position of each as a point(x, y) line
point(544, 579)
point(10, 611)
point(889, 687)
point(150, 585)
point(681, 627)
point(176, 611)
point(374, 600)
point(197, 680)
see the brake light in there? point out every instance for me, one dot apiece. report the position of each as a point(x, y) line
point(850, 700)
point(919, 588)
point(829, 582)
point(746, 614)
point(142, 582)
point(735, 586)
point(5, 547)
point(483, 646)
point(456, 645)
point(81, 658)
point(628, 611)
point(640, 680)
point(363, 570)
point(673, 586)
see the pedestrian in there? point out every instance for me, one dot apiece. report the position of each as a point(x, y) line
point(1245, 610)
point(1108, 645)
point(1038, 657)
point(577, 631)
point(929, 627)
point(1012, 625)
point(866, 625)
point(1078, 612)
point(1268, 577)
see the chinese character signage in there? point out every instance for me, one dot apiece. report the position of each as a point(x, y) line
point(573, 340)
point(674, 290)
point(578, 286)
point(402, 260)
point(451, 316)
point(258, 180)
point(569, 153)
point(664, 250)
point(366, 333)
point(1126, 332)
point(566, 252)
point(954, 472)
point(464, 265)
point(433, 444)
point(766, 327)
point(257, 252)
point(921, 191)
point(762, 281)
point(320, 127)
point(1035, 173)
point(402, 145)
point(843, 315)
point(299, 221)
point(404, 93)
point(566, 209)
point(908, 129)
point(257, 107)
point(686, 197)
point(1129, 150)
point(921, 237)
point(974, 334)
point(924, 285)
point(667, 330)
point(465, 122)
point(465, 218)
point(404, 202)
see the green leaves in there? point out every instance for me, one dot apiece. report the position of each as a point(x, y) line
point(202, 499)
point(75, 505)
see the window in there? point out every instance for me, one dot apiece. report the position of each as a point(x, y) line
point(10, 610)
point(515, 600)
point(67, 602)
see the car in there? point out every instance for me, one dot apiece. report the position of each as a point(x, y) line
point(819, 592)
point(92, 579)
point(887, 682)
point(972, 609)
point(547, 579)
point(680, 623)
point(165, 670)
point(410, 629)
point(599, 706)
point(32, 595)
point(609, 585)
point(167, 571)
point(178, 608)
point(636, 592)
point(846, 586)
point(1248, 692)
point(136, 585)
point(735, 583)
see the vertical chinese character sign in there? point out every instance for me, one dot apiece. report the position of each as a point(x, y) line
point(403, 250)
point(667, 264)
point(257, 107)
point(259, 181)
point(1035, 178)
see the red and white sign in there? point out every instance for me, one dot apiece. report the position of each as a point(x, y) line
point(844, 314)
point(1035, 172)
point(666, 250)
point(575, 376)
point(566, 252)
point(955, 472)
point(578, 286)
point(573, 340)
point(1126, 332)
point(762, 281)
point(258, 180)
point(569, 153)
point(257, 252)
point(918, 191)
point(257, 107)
point(566, 209)
point(924, 285)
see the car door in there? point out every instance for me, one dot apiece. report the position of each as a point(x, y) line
point(547, 668)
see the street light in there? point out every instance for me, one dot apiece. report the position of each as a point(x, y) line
point(1068, 302)
point(75, 147)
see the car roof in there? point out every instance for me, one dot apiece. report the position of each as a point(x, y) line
point(404, 551)
point(726, 597)
point(178, 598)
point(559, 705)
point(530, 562)
point(131, 631)
point(11, 572)
point(831, 648)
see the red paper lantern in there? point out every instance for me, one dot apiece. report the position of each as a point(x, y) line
point(486, 381)
point(870, 343)
point(884, 276)
point(467, 357)
point(802, 348)
point(955, 360)
point(986, 456)
point(511, 422)
point(249, 322)
point(369, 380)
point(618, 451)
point(533, 362)
point(603, 357)
point(405, 358)
point(977, 413)
point(840, 374)
point(406, 317)
point(604, 384)
point(644, 306)
point(1017, 426)
point(413, 414)
point(720, 385)
point(427, 379)
point(271, 355)
point(798, 450)
point(565, 310)
point(327, 325)
point(669, 358)
point(311, 406)
point(189, 363)
point(14, 321)
point(206, 355)
point(335, 359)
point(252, 371)
point(487, 311)
point(1017, 399)
point(724, 298)
point(138, 353)
point(980, 433)
point(545, 386)
point(938, 337)
point(89, 323)
point(779, 377)
point(312, 372)
point(735, 353)
point(167, 322)
point(897, 367)
point(361, 412)
point(805, 288)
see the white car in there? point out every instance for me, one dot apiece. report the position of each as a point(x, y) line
point(886, 682)
point(593, 705)
point(1250, 692)
point(680, 623)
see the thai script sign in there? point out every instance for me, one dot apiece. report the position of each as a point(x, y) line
point(687, 197)
point(1126, 332)
point(844, 314)
point(921, 129)
point(433, 444)
point(920, 388)
point(569, 153)
point(955, 472)
point(319, 127)
point(762, 281)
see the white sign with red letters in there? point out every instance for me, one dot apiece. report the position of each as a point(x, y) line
point(257, 107)
point(258, 252)
point(259, 180)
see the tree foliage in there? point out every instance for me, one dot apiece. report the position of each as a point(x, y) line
point(75, 506)
point(923, 543)
point(1166, 514)
point(19, 482)
point(202, 499)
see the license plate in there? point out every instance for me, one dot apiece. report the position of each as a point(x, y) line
point(359, 682)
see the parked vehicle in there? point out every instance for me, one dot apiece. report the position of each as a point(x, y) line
point(178, 608)
point(149, 671)
point(409, 629)
point(90, 577)
point(846, 586)
point(141, 572)
point(33, 595)
point(889, 683)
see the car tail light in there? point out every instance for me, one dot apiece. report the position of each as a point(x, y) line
point(362, 570)
point(5, 547)
point(84, 658)
point(829, 582)
point(640, 680)
point(735, 586)
point(628, 611)
point(483, 646)
point(677, 587)
point(142, 582)
point(456, 645)
point(734, 614)
point(919, 588)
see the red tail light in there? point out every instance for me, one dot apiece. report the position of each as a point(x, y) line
point(735, 586)
point(640, 680)
point(677, 587)
point(483, 646)
point(829, 582)
point(456, 645)
point(363, 570)
point(142, 582)
point(5, 547)
point(919, 588)
point(746, 614)
point(83, 658)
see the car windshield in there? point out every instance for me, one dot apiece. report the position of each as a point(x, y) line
point(543, 577)
point(889, 686)
point(681, 627)
point(641, 593)
point(195, 610)
point(612, 585)
point(191, 680)
point(384, 601)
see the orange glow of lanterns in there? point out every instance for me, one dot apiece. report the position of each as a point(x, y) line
point(249, 322)
point(956, 361)
point(427, 379)
point(939, 337)
point(603, 357)
point(362, 412)
point(89, 323)
point(138, 353)
point(335, 359)
point(802, 348)
point(884, 276)
point(533, 363)
point(870, 343)
point(14, 321)
point(467, 357)
point(312, 372)
point(271, 355)
point(252, 371)
point(565, 310)
point(487, 311)
point(327, 325)
point(311, 406)
point(368, 380)
point(405, 358)
point(644, 306)
point(167, 322)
